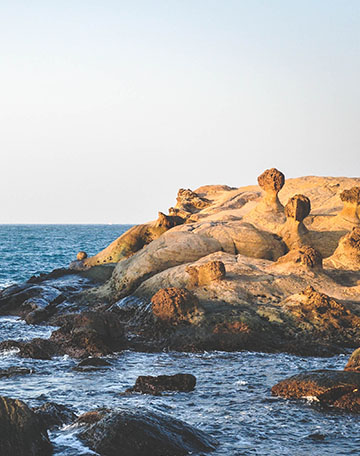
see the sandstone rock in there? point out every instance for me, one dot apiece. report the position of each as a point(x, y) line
point(351, 200)
point(175, 305)
point(189, 202)
point(323, 315)
point(21, 432)
point(81, 255)
point(130, 242)
point(304, 256)
point(354, 361)
point(205, 273)
point(294, 233)
point(172, 249)
point(147, 384)
point(90, 334)
point(269, 211)
point(52, 415)
point(347, 254)
point(136, 431)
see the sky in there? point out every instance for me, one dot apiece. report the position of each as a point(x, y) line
point(108, 107)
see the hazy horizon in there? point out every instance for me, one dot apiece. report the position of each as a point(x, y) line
point(108, 108)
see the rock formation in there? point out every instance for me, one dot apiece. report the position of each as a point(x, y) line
point(351, 200)
point(354, 361)
point(205, 273)
point(294, 232)
point(188, 203)
point(347, 254)
point(130, 242)
point(175, 305)
point(303, 256)
point(22, 433)
point(269, 212)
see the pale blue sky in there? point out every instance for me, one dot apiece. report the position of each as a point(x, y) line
point(107, 107)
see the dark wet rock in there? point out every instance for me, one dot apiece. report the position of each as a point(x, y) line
point(137, 432)
point(148, 384)
point(14, 370)
point(316, 436)
point(89, 364)
point(22, 434)
point(53, 415)
point(35, 348)
point(90, 334)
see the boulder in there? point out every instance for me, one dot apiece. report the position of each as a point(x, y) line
point(147, 384)
point(137, 432)
point(89, 334)
point(175, 305)
point(81, 255)
point(22, 434)
point(203, 274)
point(53, 415)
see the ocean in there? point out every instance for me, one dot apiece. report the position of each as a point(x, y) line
point(232, 400)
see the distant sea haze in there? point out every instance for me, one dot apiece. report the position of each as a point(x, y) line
point(26, 250)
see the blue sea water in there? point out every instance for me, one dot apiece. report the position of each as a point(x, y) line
point(232, 399)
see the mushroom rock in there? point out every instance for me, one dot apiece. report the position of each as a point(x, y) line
point(347, 254)
point(269, 212)
point(130, 242)
point(351, 200)
point(203, 274)
point(174, 305)
point(294, 232)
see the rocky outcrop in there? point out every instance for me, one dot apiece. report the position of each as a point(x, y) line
point(175, 305)
point(205, 273)
point(147, 384)
point(22, 434)
point(52, 415)
point(322, 316)
point(130, 242)
point(188, 203)
point(303, 257)
point(347, 254)
point(89, 334)
point(351, 200)
point(81, 255)
point(137, 431)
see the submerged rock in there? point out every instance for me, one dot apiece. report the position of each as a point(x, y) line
point(22, 434)
point(148, 384)
point(90, 364)
point(139, 432)
point(14, 370)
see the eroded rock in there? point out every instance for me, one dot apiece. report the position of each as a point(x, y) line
point(351, 200)
point(22, 434)
point(203, 274)
point(347, 254)
point(354, 361)
point(175, 305)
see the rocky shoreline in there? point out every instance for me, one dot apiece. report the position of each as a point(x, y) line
point(228, 269)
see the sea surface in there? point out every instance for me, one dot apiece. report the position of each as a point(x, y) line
point(232, 400)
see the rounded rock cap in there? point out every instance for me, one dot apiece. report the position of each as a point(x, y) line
point(351, 195)
point(81, 255)
point(271, 180)
point(298, 207)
